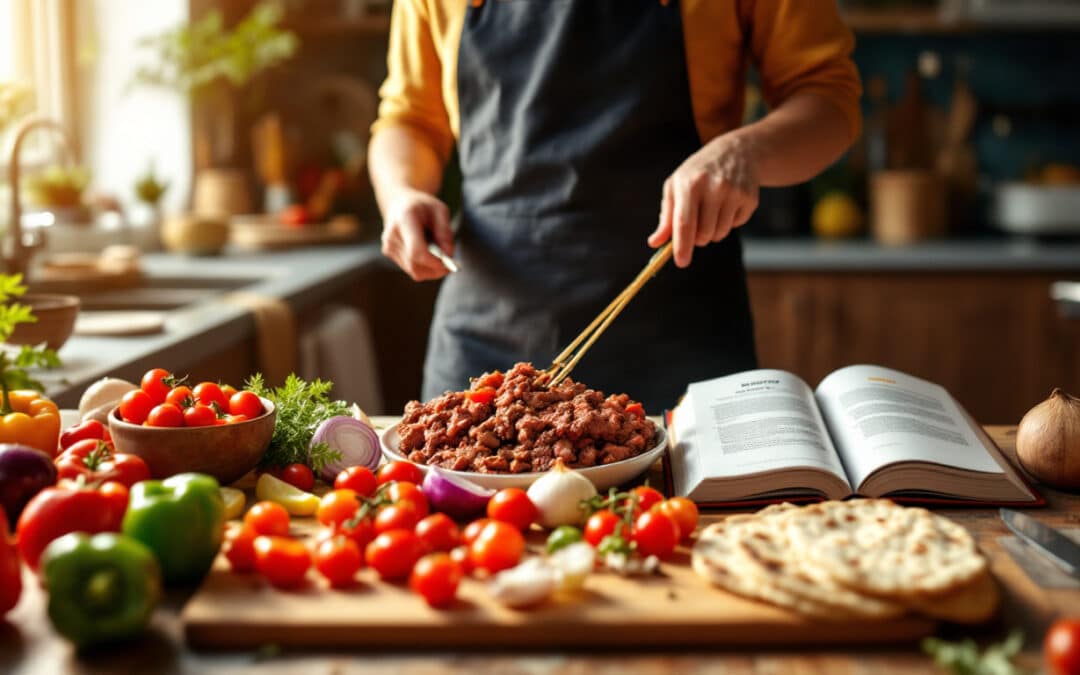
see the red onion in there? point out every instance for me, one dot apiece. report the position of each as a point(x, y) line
point(455, 496)
point(24, 471)
point(357, 442)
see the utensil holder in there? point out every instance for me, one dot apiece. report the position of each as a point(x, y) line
point(907, 206)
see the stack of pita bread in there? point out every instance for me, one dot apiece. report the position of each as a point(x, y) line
point(850, 560)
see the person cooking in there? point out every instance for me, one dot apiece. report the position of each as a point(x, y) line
point(586, 129)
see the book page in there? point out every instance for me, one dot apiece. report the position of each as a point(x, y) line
point(879, 416)
point(751, 422)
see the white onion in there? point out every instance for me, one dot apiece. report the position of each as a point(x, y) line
point(102, 396)
point(558, 495)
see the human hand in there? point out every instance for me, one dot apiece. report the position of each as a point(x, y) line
point(714, 190)
point(409, 218)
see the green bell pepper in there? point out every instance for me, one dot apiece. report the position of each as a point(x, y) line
point(102, 588)
point(182, 520)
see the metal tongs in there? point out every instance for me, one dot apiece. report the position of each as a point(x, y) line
point(568, 358)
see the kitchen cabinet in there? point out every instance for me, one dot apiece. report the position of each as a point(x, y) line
point(994, 339)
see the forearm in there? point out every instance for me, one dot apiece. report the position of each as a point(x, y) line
point(401, 160)
point(797, 140)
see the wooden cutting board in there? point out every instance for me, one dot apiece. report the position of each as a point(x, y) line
point(677, 608)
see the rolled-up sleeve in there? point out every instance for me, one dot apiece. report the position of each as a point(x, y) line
point(411, 95)
point(803, 46)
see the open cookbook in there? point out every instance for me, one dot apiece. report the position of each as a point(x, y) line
point(764, 435)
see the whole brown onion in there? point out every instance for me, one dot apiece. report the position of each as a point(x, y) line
point(1048, 441)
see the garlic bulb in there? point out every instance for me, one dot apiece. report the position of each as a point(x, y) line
point(102, 396)
point(530, 583)
point(558, 494)
point(1048, 441)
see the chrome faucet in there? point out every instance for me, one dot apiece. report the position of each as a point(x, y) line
point(17, 246)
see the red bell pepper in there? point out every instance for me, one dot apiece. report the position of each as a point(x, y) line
point(71, 506)
point(481, 395)
point(90, 429)
point(98, 461)
point(10, 571)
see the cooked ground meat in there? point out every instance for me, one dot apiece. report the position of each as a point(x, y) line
point(515, 424)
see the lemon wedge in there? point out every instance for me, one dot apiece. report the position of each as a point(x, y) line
point(234, 502)
point(296, 501)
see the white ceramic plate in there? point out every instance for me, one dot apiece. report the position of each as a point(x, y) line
point(603, 477)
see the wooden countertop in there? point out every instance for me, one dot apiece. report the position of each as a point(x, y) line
point(28, 644)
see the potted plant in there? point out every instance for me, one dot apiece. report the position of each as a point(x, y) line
point(59, 190)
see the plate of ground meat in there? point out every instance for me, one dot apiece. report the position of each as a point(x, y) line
point(507, 429)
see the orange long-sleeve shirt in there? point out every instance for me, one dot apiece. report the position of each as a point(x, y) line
point(796, 45)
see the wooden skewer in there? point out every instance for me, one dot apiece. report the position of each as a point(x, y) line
point(568, 358)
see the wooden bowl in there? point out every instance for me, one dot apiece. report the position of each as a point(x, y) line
point(225, 452)
point(55, 320)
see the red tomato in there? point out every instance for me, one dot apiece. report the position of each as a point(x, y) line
point(200, 415)
point(88, 430)
point(392, 554)
point(600, 525)
point(165, 415)
point(655, 534)
point(98, 461)
point(409, 493)
point(512, 505)
point(400, 471)
point(635, 409)
point(647, 498)
point(283, 561)
point(684, 512)
point(362, 531)
point(295, 215)
point(244, 403)
point(240, 550)
point(438, 532)
point(135, 406)
point(299, 476)
point(472, 530)
point(481, 395)
point(460, 555)
point(401, 516)
point(269, 518)
point(1061, 647)
point(209, 393)
point(228, 390)
point(336, 507)
point(157, 383)
point(56, 511)
point(338, 559)
point(359, 479)
point(435, 577)
point(180, 396)
point(498, 547)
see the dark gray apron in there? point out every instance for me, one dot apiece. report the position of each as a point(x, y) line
point(573, 113)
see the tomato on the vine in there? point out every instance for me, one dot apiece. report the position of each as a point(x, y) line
point(647, 497)
point(165, 415)
point(400, 516)
point(600, 525)
point(338, 559)
point(409, 493)
point(282, 560)
point(180, 396)
point(157, 382)
point(359, 479)
point(684, 512)
point(497, 547)
point(655, 533)
point(135, 406)
point(438, 532)
point(299, 476)
point(406, 472)
point(337, 506)
point(362, 531)
point(240, 550)
point(199, 415)
point(435, 577)
point(209, 393)
point(244, 403)
point(268, 518)
point(512, 505)
point(1061, 647)
point(393, 554)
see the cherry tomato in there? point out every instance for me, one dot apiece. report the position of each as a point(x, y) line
point(338, 559)
point(156, 383)
point(240, 550)
point(88, 430)
point(230, 419)
point(392, 554)
point(409, 493)
point(684, 512)
point(472, 530)
point(269, 518)
point(282, 560)
point(336, 507)
point(406, 472)
point(180, 396)
point(656, 534)
point(481, 395)
point(512, 505)
point(228, 390)
point(244, 403)
point(362, 532)
point(359, 479)
point(438, 532)
point(401, 516)
point(460, 555)
point(435, 577)
point(299, 476)
point(209, 393)
point(498, 547)
point(165, 415)
point(199, 415)
point(1061, 647)
point(647, 497)
point(600, 525)
point(135, 406)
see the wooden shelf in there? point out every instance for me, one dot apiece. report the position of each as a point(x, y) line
point(331, 26)
point(904, 21)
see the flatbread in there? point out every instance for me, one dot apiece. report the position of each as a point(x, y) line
point(975, 602)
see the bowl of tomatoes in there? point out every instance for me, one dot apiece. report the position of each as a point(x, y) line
point(206, 428)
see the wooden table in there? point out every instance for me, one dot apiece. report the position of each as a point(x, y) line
point(28, 644)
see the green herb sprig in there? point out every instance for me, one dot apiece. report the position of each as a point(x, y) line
point(301, 407)
point(14, 367)
point(964, 658)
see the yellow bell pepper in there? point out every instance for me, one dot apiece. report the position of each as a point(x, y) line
point(34, 421)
